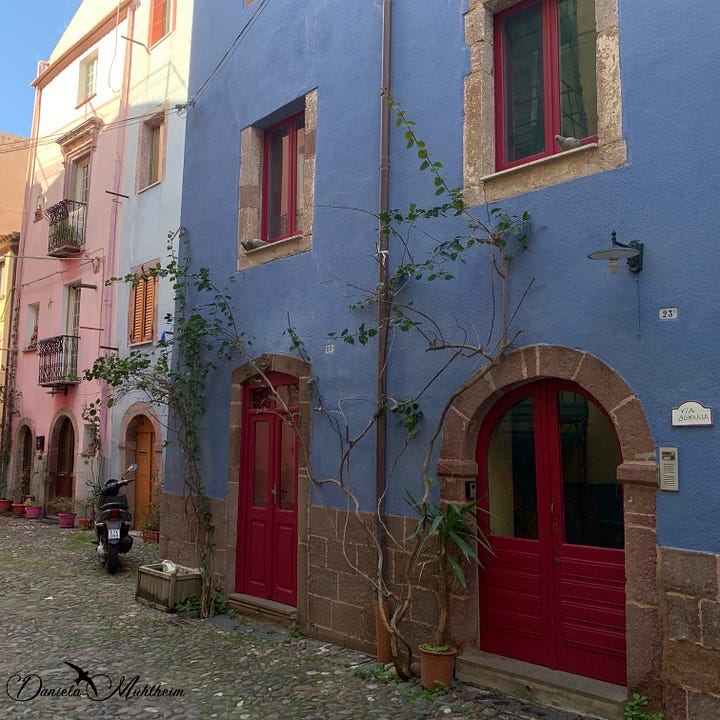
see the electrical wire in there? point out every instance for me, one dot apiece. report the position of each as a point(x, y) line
point(230, 50)
point(28, 143)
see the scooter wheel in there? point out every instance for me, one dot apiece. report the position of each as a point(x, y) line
point(112, 558)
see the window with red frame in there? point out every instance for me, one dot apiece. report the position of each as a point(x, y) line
point(283, 165)
point(545, 81)
point(160, 20)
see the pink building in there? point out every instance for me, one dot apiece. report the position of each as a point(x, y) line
point(68, 249)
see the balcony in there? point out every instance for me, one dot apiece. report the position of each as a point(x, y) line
point(58, 361)
point(67, 228)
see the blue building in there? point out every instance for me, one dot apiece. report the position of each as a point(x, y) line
point(585, 424)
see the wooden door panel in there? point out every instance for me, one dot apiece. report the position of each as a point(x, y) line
point(284, 572)
point(546, 601)
point(256, 553)
point(267, 517)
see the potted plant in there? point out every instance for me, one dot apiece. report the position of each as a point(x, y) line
point(5, 500)
point(33, 510)
point(88, 506)
point(449, 534)
point(151, 523)
point(65, 509)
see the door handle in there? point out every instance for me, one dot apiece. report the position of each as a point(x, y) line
point(552, 509)
point(274, 494)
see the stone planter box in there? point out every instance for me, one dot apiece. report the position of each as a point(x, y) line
point(163, 590)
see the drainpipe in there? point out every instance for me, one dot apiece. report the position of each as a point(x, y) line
point(384, 296)
point(110, 269)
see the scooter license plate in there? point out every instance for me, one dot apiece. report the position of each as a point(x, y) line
point(113, 533)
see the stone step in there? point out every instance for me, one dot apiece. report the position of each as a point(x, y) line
point(542, 685)
point(268, 611)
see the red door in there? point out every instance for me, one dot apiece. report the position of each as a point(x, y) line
point(267, 516)
point(554, 592)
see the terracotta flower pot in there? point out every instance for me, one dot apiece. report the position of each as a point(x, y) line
point(33, 512)
point(67, 520)
point(151, 536)
point(437, 668)
point(18, 509)
point(5, 504)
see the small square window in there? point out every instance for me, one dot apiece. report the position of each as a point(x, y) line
point(283, 168)
point(545, 81)
point(142, 308)
point(87, 85)
point(160, 20)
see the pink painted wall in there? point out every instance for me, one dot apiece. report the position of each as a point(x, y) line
point(44, 280)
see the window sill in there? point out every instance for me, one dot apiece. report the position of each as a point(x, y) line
point(150, 186)
point(539, 162)
point(142, 343)
point(159, 40)
point(30, 349)
point(85, 101)
point(546, 172)
point(277, 250)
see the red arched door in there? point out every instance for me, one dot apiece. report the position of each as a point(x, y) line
point(554, 592)
point(267, 512)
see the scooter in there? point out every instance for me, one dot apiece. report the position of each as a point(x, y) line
point(112, 521)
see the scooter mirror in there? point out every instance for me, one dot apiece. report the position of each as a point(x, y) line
point(132, 468)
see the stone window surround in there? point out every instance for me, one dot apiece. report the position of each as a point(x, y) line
point(153, 119)
point(269, 362)
point(482, 183)
point(75, 145)
point(142, 271)
point(250, 201)
point(638, 473)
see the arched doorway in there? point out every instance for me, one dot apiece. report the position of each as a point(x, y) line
point(65, 469)
point(267, 534)
point(144, 458)
point(25, 443)
point(553, 592)
point(638, 473)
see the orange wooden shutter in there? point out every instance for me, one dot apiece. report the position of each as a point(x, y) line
point(148, 308)
point(136, 307)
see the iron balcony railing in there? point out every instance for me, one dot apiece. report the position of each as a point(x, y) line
point(58, 361)
point(67, 228)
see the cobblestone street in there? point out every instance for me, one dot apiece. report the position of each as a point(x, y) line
point(60, 606)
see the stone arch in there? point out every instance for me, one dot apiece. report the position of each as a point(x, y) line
point(25, 429)
point(127, 451)
point(53, 441)
point(638, 473)
point(126, 443)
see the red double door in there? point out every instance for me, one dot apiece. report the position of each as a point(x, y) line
point(553, 593)
point(267, 513)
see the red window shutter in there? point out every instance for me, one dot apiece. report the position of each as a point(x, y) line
point(158, 20)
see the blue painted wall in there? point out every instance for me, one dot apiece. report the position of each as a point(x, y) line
point(667, 197)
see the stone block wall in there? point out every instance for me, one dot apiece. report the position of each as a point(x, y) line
point(689, 584)
point(340, 599)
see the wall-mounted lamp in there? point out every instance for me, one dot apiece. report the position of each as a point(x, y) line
point(632, 252)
